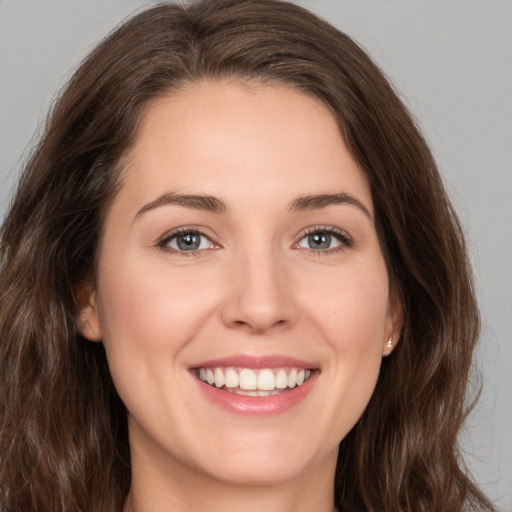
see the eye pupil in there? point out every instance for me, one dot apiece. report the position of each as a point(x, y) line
point(188, 242)
point(319, 241)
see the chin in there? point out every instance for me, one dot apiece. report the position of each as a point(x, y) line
point(266, 460)
point(260, 470)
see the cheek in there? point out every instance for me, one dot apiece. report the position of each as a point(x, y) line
point(147, 318)
point(355, 336)
point(351, 308)
point(352, 316)
point(146, 307)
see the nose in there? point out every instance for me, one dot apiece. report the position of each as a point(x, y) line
point(260, 295)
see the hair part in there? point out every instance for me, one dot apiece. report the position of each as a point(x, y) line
point(63, 434)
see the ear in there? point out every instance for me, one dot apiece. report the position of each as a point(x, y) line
point(394, 323)
point(88, 319)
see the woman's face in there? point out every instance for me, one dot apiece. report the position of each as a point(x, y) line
point(241, 252)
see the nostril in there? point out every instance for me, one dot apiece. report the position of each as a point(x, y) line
point(257, 326)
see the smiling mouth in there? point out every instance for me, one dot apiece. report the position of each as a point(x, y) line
point(254, 382)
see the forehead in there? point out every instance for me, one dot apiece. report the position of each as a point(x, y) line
point(227, 139)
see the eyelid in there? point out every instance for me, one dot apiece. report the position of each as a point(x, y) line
point(346, 241)
point(162, 242)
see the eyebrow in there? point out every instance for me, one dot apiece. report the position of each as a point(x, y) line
point(315, 202)
point(196, 202)
point(215, 205)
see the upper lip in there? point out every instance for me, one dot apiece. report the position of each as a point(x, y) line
point(256, 362)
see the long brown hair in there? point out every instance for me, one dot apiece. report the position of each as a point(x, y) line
point(63, 433)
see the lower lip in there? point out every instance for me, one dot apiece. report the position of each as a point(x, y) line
point(258, 405)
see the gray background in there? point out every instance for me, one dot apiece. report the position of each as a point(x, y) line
point(452, 62)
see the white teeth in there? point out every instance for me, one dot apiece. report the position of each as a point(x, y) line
point(281, 379)
point(248, 379)
point(231, 379)
point(266, 380)
point(219, 378)
point(292, 378)
point(251, 382)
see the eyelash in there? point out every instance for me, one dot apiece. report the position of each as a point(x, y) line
point(345, 241)
point(163, 243)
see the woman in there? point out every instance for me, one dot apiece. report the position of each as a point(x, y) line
point(231, 277)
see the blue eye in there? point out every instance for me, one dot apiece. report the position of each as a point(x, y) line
point(188, 241)
point(324, 240)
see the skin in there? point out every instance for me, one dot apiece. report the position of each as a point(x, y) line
point(254, 287)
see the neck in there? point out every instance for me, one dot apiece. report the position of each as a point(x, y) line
point(136, 503)
point(184, 489)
